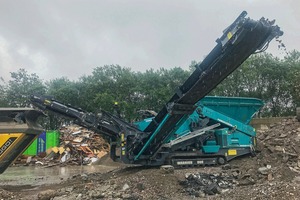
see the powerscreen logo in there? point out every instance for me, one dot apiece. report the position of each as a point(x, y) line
point(6, 145)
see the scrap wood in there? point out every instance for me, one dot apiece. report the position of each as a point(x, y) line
point(61, 150)
point(78, 139)
point(55, 149)
point(86, 150)
point(77, 146)
point(75, 133)
point(101, 154)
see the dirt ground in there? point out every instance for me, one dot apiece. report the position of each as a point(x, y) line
point(274, 173)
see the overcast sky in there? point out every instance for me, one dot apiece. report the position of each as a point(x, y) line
point(70, 38)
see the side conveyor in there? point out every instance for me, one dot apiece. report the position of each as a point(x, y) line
point(104, 123)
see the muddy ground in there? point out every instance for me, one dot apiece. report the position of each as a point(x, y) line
point(274, 173)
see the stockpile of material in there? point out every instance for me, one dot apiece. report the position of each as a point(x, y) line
point(79, 146)
point(201, 184)
point(277, 163)
point(280, 144)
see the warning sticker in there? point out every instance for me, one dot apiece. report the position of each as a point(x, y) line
point(232, 152)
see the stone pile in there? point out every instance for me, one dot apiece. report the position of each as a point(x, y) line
point(201, 184)
point(277, 160)
point(4, 194)
point(280, 144)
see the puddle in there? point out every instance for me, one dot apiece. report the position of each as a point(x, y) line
point(35, 176)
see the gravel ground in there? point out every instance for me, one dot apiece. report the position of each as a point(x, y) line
point(274, 173)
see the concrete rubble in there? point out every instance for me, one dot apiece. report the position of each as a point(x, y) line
point(274, 173)
point(277, 161)
point(280, 144)
point(6, 195)
point(201, 184)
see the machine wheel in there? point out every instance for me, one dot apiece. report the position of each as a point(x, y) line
point(298, 113)
point(221, 160)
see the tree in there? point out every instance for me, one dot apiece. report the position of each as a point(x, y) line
point(3, 100)
point(106, 85)
point(293, 61)
point(265, 77)
point(64, 90)
point(21, 86)
point(275, 81)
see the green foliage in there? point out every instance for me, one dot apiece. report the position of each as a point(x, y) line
point(3, 100)
point(21, 86)
point(106, 85)
point(157, 87)
point(293, 63)
point(268, 78)
point(275, 81)
point(63, 89)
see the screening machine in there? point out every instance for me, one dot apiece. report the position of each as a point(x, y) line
point(190, 129)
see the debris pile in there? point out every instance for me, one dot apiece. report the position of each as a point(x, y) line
point(134, 182)
point(280, 144)
point(272, 174)
point(278, 153)
point(201, 184)
point(78, 146)
point(4, 194)
point(277, 162)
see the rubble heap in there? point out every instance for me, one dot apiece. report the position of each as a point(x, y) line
point(277, 163)
point(272, 174)
point(201, 184)
point(280, 144)
point(4, 194)
point(80, 146)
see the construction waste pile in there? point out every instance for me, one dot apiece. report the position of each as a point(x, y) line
point(275, 169)
point(201, 184)
point(78, 146)
point(280, 144)
point(274, 173)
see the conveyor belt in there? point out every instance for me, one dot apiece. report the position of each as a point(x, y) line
point(241, 39)
point(104, 123)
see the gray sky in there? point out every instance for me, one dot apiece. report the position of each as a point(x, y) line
point(70, 38)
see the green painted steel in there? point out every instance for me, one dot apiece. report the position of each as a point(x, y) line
point(51, 140)
point(228, 121)
point(32, 149)
point(211, 147)
point(238, 108)
point(151, 138)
